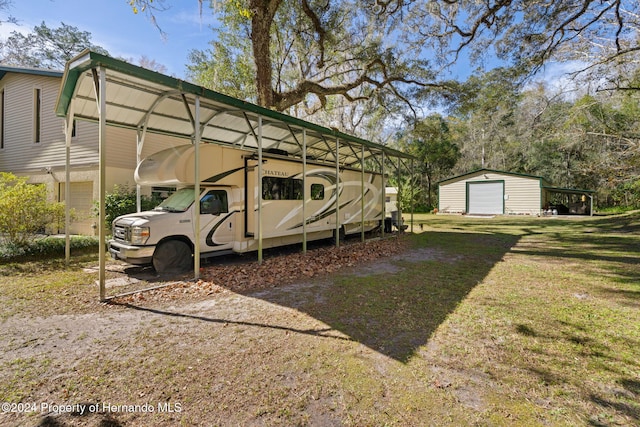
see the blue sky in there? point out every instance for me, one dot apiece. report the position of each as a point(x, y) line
point(114, 26)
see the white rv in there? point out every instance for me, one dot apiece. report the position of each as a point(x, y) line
point(165, 236)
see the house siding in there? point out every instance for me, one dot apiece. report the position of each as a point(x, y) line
point(44, 162)
point(522, 193)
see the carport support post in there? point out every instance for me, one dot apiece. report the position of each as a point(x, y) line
point(259, 189)
point(102, 100)
point(398, 191)
point(384, 195)
point(411, 194)
point(68, 126)
point(337, 193)
point(196, 222)
point(304, 191)
point(140, 135)
point(362, 192)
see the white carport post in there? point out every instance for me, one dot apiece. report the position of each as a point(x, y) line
point(411, 193)
point(362, 192)
point(68, 128)
point(196, 220)
point(102, 127)
point(140, 135)
point(259, 189)
point(304, 191)
point(337, 193)
point(384, 195)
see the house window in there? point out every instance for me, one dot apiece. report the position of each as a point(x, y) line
point(37, 114)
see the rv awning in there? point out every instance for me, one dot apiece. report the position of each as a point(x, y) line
point(137, 98)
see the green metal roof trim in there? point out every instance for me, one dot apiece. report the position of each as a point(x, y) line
point(484, 170)
point(4, 69)
point(567, 190)
point(137, 88)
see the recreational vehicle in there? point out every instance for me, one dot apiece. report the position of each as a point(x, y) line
point(229, 200)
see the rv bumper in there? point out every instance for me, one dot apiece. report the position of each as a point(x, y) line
point(137, 255)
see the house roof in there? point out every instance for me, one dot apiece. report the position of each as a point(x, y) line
point(484, 170)
point(543, 181)
point(4, 69)
point(142, 99)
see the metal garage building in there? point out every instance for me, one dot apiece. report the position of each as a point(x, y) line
point(493, 192)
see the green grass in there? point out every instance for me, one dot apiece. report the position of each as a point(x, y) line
point(496, 321)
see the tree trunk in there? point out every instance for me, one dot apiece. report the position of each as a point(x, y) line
point(263, 12)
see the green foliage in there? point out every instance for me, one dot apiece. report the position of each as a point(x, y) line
point(46, 47)
point(46, 247)
point(123, 201)
point(25, 210)
point(430, 141)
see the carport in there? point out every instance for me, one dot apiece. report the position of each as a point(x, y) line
point(112, 92)
point(568, 201)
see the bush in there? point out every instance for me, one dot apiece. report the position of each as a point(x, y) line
point(46, 247)
point(25, 210)
point(123, 201)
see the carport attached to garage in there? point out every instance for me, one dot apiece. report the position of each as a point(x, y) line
point(485, 197)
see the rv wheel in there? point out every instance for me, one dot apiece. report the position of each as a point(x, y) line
point(172, 256)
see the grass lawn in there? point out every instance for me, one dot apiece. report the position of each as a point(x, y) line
point(483, 321)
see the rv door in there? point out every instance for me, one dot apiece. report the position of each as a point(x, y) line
point(216, 222)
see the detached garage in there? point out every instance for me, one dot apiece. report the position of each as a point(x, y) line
point(493, 192)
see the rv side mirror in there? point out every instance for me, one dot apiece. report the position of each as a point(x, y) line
point(210, 207)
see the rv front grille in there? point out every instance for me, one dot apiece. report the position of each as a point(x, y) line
point(122, 233)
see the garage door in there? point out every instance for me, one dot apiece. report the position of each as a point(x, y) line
point(486, 198)
point(81, 201)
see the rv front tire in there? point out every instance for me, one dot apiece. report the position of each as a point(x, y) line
point(172, 256)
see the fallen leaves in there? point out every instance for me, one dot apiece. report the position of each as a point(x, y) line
point(274, 271)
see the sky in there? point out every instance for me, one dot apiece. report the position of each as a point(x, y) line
point(115, 27)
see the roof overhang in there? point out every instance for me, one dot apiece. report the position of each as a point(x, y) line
point(137, 98)
point(5, 69)
point(568, 190)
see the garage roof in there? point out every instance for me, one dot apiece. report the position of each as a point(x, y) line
point(138, 98)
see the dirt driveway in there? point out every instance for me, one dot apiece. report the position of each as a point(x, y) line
point(202, 354)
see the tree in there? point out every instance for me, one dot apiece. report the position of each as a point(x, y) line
point(46, 47)
point(430, 141)
point(6, 5)
point(528, 33)
point(304, 51)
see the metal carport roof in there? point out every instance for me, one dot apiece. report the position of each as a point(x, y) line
point(142, 99)
point(112, 92)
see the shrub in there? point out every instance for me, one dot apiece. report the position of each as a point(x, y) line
point(46, 247)
point(123, 201)
point(25, 210)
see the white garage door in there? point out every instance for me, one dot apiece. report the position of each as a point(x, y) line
point(486, 198)
point(81, 201)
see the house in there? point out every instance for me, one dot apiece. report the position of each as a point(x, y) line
point(494, 192)
point(32, 143)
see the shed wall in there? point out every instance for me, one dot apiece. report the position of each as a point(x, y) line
point(522, 193)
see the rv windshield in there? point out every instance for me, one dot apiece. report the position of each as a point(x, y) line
point(178, 201)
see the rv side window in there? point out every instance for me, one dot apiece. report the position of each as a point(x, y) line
point(274, 188)
point(214, 202)
point(317, 192)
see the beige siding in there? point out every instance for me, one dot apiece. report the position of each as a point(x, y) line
point(522, 193)
point(452, 197)
point(21, 153)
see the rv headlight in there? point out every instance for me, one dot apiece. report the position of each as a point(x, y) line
point(139, 235)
